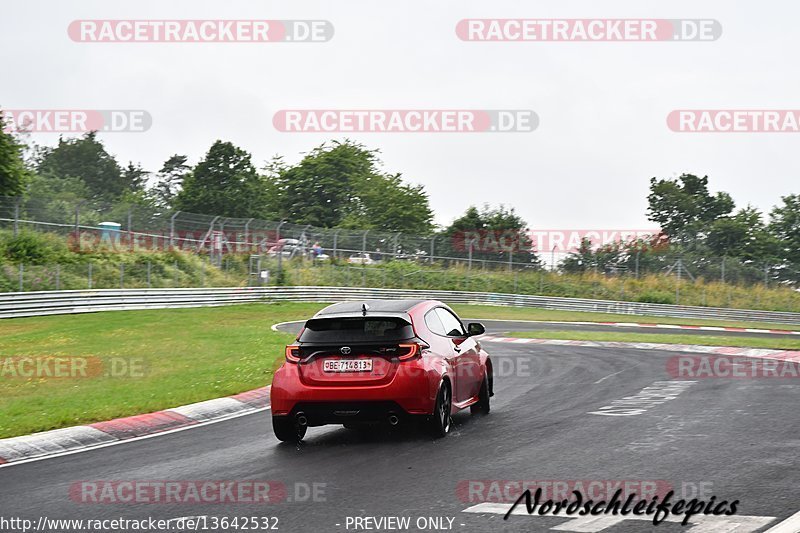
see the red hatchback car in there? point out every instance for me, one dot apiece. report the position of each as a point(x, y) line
point(384, 361)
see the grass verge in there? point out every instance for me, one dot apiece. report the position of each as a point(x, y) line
point(529, 313)
point(182, 356)
point(779, 343)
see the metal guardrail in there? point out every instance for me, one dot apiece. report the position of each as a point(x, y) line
point(25, 304)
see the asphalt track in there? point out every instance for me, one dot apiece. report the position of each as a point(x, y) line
point(736, 439)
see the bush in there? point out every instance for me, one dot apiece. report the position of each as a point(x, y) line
point(656, 298)
point(32, 248)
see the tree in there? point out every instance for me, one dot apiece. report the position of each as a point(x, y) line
point(785, 227)
point(170, 179)
point(340, 185)
point(135, 177)
point(320, 190)
point(684, 207)
point(386, 203)
point(494, 234)
point(743, 236)
point(224, 183)
point(13, 173)
point(86, 158)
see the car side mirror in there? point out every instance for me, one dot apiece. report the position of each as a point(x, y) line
point(475, 328)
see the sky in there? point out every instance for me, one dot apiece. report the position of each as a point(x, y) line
point(602, 106)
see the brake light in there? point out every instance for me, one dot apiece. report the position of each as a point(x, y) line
point(414, 350)
point(293, 354)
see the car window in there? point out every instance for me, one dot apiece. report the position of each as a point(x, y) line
point(434, 323)
point(452, 325)
point(355, 329)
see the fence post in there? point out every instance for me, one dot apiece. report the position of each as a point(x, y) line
point(148, 274)
point(16, 216)
point(130, 231)
point(21, 274)
point(397, 244)
point(637, 264)
point(175, 275)
point(172, 230)
point(723, 269)
point(433, 242)
point(58, 277)
point(202, 273)
point(335, 242)
point(122, 275)
point(90, 275)
point(247, 235)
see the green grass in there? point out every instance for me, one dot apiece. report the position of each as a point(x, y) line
point(189, 355)
point(529, 313)
point(704, 340)
point(196, 354)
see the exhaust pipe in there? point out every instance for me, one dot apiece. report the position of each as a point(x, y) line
point(301, 419)
point(393, 420)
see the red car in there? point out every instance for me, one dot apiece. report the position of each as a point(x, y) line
point(384, 361)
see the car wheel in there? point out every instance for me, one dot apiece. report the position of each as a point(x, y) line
point(287, 430)
point(482, 405)
point(441, 420)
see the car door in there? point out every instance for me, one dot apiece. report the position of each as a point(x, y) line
point(467, 360)
point(442, 344)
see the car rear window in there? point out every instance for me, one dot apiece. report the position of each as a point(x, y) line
point(356, 329)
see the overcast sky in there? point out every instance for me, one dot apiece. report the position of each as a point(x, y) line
point(602, 106)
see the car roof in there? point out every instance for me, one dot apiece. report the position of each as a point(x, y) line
point(373, 307)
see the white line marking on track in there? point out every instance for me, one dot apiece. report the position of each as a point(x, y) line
point(615, 373)
point(790, 525)
point(134, 439)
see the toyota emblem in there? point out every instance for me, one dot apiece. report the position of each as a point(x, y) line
point(345, 350)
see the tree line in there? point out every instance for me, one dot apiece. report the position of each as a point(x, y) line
point(341, 184)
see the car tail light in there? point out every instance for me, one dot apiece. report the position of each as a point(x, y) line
point(410, 351)
point(293, 354)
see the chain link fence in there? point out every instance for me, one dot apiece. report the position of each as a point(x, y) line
point(95, 225)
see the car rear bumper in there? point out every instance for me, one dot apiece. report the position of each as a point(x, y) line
point(408, 393)
point(321, 413)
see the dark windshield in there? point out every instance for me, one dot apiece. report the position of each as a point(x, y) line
point(356, 329)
